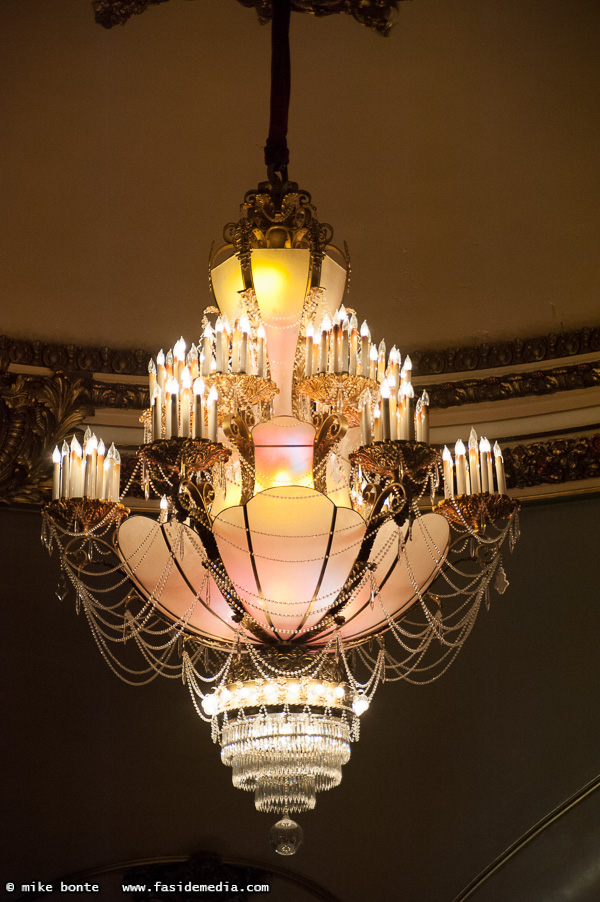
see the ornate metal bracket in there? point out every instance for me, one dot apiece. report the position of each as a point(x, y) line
point(237, 430)
point(331, 428)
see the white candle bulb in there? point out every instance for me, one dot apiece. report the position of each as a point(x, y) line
point(164, 510)
point(425, 417)
point(485, 455)
point(385, 411)
point(172, 417)
point(310, 331)
point(261, 357)
point(461, 468)
point(474, 463)
point(345, 346)
point(448, 473)
point(65, 470)
point(245, 327)
point(500, 475)
point(56, 462)
point(198, 418)
point(365, 347)
point(212, 400)
point(373, 356)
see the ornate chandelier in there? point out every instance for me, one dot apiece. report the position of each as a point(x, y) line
point(302, 540)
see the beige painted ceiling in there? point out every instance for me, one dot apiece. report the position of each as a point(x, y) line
point(458, 158)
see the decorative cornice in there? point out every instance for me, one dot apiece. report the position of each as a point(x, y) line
point(134, 362)
point(514, 385)
point(73, 358)
point(502, 354)
point(376, 14)
point(552, 462)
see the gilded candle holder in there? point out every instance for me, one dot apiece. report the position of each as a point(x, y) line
point(340, 391)
point(85, 514)
point(239, 391)
point(475, 511)
point(179, 457)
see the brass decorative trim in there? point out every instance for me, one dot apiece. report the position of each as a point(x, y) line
point(475, 511)
point(84, 514)
point(375, 14)
point(339, 390)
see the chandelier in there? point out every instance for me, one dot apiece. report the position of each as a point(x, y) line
point(300, 540)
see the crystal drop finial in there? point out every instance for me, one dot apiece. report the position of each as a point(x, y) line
point(286, 836)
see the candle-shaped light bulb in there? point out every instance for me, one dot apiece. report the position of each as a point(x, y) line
point(65, 470)
point(164, 510)
point(461, 467)
point(101, 454)
point(109, 463)
point(425, 417)
point(448, 473)
point(212, 400)
point(343, 313)
point(76, 474)
point(207, 348)
point(500, 475)
point(160, 358)
point(310, 331)
point(185, 403)
point(261, 357)
point(172, 416)
point(385, 411)
point(198, 415)
point(115, 486)
point(406, 374)
point(245, 327)
point(373, 356)
point(487, 468)
point(474, 463)
point(91, 448)
point(56, 462)
point(345, 345)
point(365, 347)
point(381, 361)
point(353, 361)
point(169, 362)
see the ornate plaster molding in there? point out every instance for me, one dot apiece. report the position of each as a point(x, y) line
point(514, 385)
point(553, 462)
point(375, 14)
point(134, 362)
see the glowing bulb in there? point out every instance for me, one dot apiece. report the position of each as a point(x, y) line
point(198, 386)
point(210, 704)
point(459, 448)
point(56, 456)
point(360, 704)
point(446, 454)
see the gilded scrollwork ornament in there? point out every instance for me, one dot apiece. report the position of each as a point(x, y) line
point(36, 413)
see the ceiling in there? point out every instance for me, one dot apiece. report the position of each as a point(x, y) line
point(458, 159)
